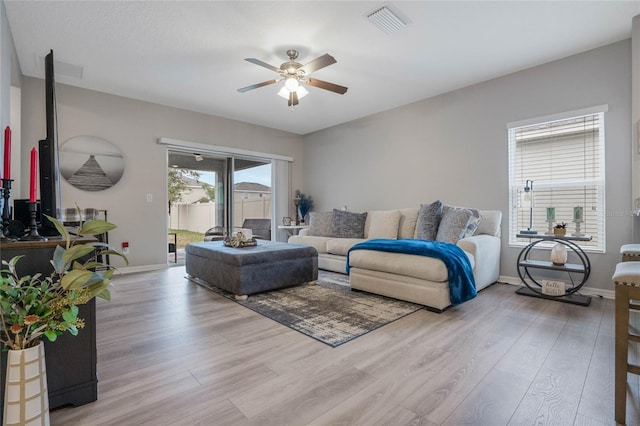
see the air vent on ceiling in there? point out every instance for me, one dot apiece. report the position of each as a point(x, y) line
point(385, 19)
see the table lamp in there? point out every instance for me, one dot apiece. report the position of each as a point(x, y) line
point(528, 195)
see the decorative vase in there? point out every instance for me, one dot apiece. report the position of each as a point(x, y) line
point(559, 254)
point(26, 399)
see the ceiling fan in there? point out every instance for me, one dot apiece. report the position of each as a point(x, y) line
point(293, 74)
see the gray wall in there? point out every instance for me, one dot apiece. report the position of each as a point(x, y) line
point(453, 147)
point(10, 81)
point(135, 127)
point(6, 51)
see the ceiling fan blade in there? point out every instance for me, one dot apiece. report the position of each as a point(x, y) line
point(262, 64)
point(255, 86)
point(318, 63)
point(326, 85)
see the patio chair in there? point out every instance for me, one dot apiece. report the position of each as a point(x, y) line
point(261, 228)
point(214, 234)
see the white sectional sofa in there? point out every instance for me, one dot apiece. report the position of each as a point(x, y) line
point(414, 278)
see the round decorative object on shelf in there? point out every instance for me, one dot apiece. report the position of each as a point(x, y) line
point(559, 232)
point(559, 254)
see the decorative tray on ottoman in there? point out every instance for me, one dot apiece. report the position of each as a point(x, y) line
point(238, 240)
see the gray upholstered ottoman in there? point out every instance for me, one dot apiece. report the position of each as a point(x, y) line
point(249, 270)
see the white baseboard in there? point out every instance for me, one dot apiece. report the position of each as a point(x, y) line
point(587, 291)
point(510, 280)
point(144, 268)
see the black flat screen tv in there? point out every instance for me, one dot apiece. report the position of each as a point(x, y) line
point(50, 196)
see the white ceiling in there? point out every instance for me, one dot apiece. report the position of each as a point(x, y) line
point(190, 54)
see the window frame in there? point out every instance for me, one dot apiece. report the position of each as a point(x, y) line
point(600, 183)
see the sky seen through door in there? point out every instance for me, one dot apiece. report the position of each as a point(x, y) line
point(259, 174)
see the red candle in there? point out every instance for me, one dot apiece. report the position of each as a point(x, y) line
point(7, 153)
point(34, 175)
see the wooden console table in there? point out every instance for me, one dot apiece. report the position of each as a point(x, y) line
point(71, 360)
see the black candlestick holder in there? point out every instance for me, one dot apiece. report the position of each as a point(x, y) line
point(6, 210)
point(33, 225)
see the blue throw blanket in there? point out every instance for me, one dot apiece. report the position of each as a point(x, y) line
point(462, 285)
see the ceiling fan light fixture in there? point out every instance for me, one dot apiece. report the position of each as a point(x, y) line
point(302, 92)
point(291, 83)
point(284, 93)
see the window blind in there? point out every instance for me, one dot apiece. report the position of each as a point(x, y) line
point(565, 160)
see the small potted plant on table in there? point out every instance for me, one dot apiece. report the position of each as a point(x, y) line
point(560, 230)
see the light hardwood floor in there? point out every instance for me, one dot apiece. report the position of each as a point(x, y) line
point(173, 353)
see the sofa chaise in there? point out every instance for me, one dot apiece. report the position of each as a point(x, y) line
point(414, 278)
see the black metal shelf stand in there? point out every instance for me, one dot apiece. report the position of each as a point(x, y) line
point(534, 288)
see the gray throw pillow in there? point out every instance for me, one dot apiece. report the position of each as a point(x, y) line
point(428, 220)
point(320, 224)
point(457, 223)
point(348, 224)
point(473, 224)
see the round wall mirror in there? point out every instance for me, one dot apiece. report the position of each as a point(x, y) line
point(91, 163)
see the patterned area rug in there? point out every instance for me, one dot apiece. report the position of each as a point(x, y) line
point(329, 311)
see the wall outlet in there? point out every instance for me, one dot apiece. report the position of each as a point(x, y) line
point(149, 198)
point(553, 288)
point(125, 247)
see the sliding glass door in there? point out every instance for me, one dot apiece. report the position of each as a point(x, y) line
point(197, 187)
point(212, 195)
point(252, 194)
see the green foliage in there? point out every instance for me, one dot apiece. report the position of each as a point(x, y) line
point(210, 190)
point(184, 237)
point(36, 306)
point(177, 185)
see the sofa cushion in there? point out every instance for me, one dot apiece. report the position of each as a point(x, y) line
point(319, 243)
point(382, 224)
point(429, 218)
point(341, 246)
point(457, 223)
point(407, 225)
point(320, 224)
point(489, 223)
point(410, 265)
point(348, 224)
